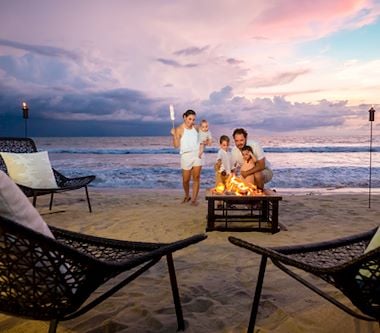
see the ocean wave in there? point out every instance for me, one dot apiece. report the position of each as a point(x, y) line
point(165, 151)
point(170, 178)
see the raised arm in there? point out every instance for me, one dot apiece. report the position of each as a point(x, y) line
point(177, 134)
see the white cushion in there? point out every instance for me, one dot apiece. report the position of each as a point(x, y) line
point(372, 245)
point(375, 241)
point(15, 206)
point(30, 169)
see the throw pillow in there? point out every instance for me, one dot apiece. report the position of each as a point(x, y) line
point(371, 267)
point(15, 206)
point(30, 169)
point(375, 241)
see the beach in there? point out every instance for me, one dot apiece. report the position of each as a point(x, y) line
point(216, 279)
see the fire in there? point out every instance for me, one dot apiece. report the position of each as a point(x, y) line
point(237, 186)
point(220, 188)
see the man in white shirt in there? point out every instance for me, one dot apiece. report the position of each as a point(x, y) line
point(262, 170)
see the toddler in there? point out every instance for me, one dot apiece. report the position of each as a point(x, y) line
point(224, 158)
point(204, 136)
point(249, 162)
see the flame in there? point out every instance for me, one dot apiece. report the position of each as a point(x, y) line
point(237, 186)
point(220, 188)
point(171, 110)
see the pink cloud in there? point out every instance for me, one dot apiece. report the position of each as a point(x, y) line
point(277, 79)
point(317, 18)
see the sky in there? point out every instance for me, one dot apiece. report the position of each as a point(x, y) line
point(112, 68)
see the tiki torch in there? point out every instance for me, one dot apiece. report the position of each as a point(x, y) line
point(371, 120)
point(171, 110)
point(25, 115)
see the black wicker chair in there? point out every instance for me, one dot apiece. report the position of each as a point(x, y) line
point(52, 279)
point(341, 262)
point(27, 145)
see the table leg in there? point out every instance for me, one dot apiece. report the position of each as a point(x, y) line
point(274, 217)
point(265, 210)
point(211, 214)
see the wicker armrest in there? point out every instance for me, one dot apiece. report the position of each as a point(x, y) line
point(340, 262)
point(322, 255)
point(120, 252)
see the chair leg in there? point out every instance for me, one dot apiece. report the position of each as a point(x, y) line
point(51, 201)
point(176, 299)
point(256, 300)
point(88, 199)
point(53, 326)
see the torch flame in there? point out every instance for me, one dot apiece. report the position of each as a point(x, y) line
point(171, 109)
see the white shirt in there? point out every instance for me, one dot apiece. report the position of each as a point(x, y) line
point(203, 136)
point(237, 157)
point(225, 157)
point(189, 141)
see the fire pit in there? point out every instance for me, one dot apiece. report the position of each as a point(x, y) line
point(237, 206)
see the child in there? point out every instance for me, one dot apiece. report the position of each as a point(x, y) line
point(224, 157)
point(249, 163)
point(204, 136)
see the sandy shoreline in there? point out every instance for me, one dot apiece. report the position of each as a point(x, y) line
point(216, 279)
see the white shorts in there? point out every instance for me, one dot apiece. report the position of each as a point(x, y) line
point(190, 160)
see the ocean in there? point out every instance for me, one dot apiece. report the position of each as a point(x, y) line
point(151, 162)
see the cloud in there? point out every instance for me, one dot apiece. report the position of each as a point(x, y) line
point(274, 114)
point(233, 61)
point(44, 50)
point(48, 72)
point(190, 51)
point(174, 63)
point(276, 79)
point(111, 112)
point(49, 68)
point(218, 97)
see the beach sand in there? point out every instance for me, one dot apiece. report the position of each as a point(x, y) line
point(216, 279)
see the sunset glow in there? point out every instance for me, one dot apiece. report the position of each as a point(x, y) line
point(114, 66)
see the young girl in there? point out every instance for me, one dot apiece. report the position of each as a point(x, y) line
point(249, 163)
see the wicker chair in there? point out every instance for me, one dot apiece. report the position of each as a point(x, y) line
point(341, 262)
point(27, 145)
point(52, 279)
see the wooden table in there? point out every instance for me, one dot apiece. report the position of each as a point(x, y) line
point(243, 213)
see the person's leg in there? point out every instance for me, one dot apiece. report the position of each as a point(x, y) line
point(263, 177)
point(196, 174)
point(186, 174)
point(259, 179)
point(201, 150)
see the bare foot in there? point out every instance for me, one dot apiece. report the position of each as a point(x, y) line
point(186, 199)
point(194, 203)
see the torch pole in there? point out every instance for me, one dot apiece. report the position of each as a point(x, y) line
point(26, 127)
point(25, 115)
point(371, 120)
point(370, 169)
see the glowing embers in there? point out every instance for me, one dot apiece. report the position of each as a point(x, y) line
point(236, 185)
